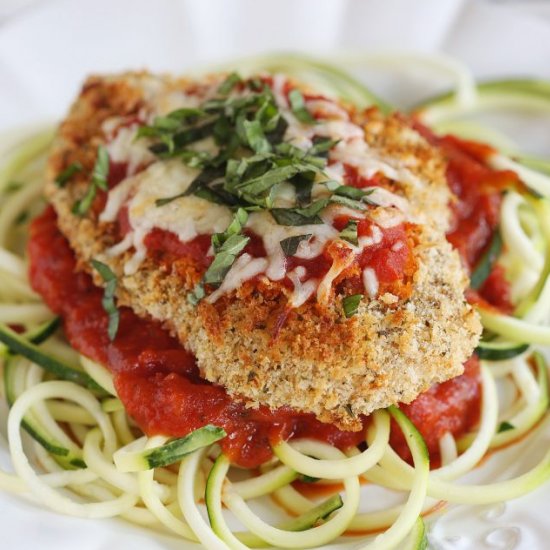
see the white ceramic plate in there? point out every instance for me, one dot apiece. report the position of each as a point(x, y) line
point(46, 51)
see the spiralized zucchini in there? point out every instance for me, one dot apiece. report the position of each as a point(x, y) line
point(107, 468)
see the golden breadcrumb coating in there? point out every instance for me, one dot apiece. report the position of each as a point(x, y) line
point(317, 360)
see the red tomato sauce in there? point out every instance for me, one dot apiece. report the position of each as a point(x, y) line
point(478, 190)
point(166, 246)
point(157, 380)
point(452, 406)
point(159, 383)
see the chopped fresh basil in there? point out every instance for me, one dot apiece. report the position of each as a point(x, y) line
point(227, 247)
point(351, 304)
point(350, 203)
point(100, 172)
point(255, 136)
point(83, 205)
point(108, 301)
point(234, 228)
point(266, 181)
point(164, 127)
point(218, 195)
point(298, 106)
point(290, 244)
point(322, 145)
point(300, 216)
point(166, 123)
point(195, 159)
point(349, 233)
point(167, 200)
point(224, 259)
point(171, 144)
point(505, 426)
point(303, 184)
point(347, 193)
point(351, 192)
point(197, 295)
point(99, 178)
point(252, 159)
point(208, 175)
point(228, 84)
point(66, 175)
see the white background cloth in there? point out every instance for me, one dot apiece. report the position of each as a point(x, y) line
point(47, 49)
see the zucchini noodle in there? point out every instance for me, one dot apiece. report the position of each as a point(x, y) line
point(88, 458)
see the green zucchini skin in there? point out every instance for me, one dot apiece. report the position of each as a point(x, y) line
point(486, 262)
point(62, 455)
point(178, 448)
point(498, 351)
point(129, 460)
point(21, 346)
point(44, 331)
point(306, 521)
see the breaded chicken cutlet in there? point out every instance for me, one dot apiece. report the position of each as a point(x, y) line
point(294, 245)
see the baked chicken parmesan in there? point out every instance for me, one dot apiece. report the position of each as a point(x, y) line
point(294, 245)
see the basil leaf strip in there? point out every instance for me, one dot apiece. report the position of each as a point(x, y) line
point(300, 216)
point(100, 174)
point(227, 246)
point(351, 304)
point(208, 175)
point(349, 233)
point(224, 259)
point(322, 146)
point(197, 295)
point(290, 244)
point(255, 136)
point(108, 301)
point(350, 203)
point(229, 83)
point(234, 228)
point(298, 106)
point(101, 168)
point(253, 159)
point(83, 205)
point(66, 175)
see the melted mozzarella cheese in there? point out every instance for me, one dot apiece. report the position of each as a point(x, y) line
point(370, 282)
point(245, 267)
point(375, 237)
point(186, 217)
point(340, 263)
point(340, 129)
point(324, 108)
point(302, 291)
point(387, 217)
point(356, 152)
point(263, 224)
point(285, 196)
point(279, 81)
point(335, 172)
point(174, 100)
point(384, 197)
point(125, 148)
point(190, 216)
